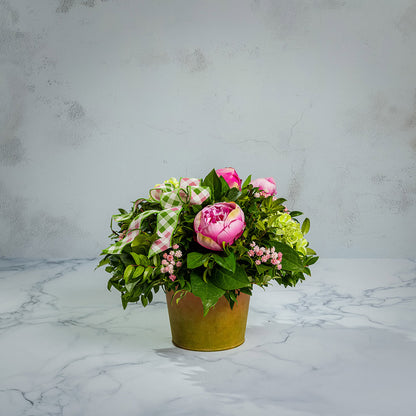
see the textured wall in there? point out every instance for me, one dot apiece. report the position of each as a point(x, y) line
point(99, 100)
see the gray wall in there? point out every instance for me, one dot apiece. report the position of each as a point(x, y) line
point(99, 100)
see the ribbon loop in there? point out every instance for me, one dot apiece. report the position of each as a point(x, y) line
point(171, 199)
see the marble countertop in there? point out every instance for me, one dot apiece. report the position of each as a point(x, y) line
point(341, 343)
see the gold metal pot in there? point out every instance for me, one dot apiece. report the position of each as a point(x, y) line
point(221, 329)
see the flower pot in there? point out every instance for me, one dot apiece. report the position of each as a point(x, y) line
point(222, 328)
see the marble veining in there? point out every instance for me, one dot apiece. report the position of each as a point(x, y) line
point(341, 343)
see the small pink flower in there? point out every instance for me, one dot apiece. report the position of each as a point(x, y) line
point(165, 262)
point(165, 255)
point(163, 270)
point(260, 252)
point(178, 254)
point(256, 195)
point(178, 264)
point(175, 246)
point(264, 259)
point(172, 277)
point(279, 267)
point(258, 262)
point(252, 244)
point(272, 249)
point(171, 253)
point(169, 257)
point(251, 253)
point(279, 255)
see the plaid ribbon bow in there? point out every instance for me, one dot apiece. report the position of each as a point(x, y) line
point(171, 199)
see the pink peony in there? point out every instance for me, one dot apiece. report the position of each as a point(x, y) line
point(230, 176)
point(218, 223)
point(267, 185)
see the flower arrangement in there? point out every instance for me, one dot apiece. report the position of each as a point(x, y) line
point(213, 237)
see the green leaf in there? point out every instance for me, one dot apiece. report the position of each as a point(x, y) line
point(306, 226)
point(156, 261)
point(227, 262)
point(310, 251)
point(224, 186)
point(105, 260)
point(213, 181)
point(144, 300)
point(147, 272)
point(227, 280)
point(291, 260)
point(140, 259)
point(311, 260)
point(195, 259)
point(139, 270)
point(208, 292)
point(295, 213)
point(128, 272)
point(246, 182)
point(130, 286)
point(279, 201)
point(126, 259)
point(142, 243)
point(233, 194)
point(260, 226)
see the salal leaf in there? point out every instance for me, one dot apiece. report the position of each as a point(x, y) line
point(291, 260)
point(227, 280)
point(306, 226)
point(195, 259)
point(128, 272)
point(208, 292)
point(227, 262)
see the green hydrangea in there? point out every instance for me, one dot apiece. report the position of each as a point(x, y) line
point(289, 231)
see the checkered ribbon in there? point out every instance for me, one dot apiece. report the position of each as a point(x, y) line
point(171, 199)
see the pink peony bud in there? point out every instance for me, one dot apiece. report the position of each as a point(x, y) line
point(220, 223)
point(230, 176)
point(266, 185)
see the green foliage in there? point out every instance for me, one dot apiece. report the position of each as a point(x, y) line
point(210, 274)
point(306, 226)
point(228, 280)
point(206, 290)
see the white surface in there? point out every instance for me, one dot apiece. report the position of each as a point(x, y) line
point(100, 100)
point(342, 343)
